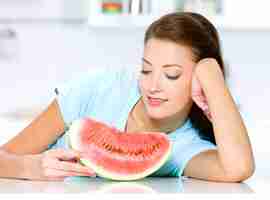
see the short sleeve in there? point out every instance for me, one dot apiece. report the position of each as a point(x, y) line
point(184, 153)
point(75, 96)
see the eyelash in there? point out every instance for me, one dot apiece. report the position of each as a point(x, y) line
point(169, 77)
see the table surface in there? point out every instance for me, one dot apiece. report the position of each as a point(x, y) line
point(147, 185)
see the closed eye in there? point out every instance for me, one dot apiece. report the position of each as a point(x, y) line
point(173, 77)
point(145, 72)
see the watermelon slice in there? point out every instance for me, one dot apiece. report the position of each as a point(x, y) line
point(118, 155)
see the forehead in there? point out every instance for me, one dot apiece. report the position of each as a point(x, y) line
point(166, 52)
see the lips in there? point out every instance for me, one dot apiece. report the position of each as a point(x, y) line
point(155, 101)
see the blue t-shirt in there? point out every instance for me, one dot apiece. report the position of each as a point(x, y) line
point(108, 95)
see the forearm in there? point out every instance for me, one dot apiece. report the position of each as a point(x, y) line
point(234, 148)
point(11, 165)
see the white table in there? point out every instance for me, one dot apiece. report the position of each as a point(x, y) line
point(100, 185)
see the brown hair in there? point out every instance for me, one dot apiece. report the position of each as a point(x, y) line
point(195, 31)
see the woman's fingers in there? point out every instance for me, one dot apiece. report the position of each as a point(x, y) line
point(63, 154)
point(68, 166)
point(60, 174)
point(197, 93)
point(201, 101)
point(61, 162)
point(199, 97)
point(208, 114)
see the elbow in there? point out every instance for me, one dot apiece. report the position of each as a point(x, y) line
point(240, 174)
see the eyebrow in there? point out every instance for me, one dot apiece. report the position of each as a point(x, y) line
point(165, 66)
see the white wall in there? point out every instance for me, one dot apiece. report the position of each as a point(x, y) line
point(49, 53)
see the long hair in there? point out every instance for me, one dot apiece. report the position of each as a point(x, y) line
point(195, 31)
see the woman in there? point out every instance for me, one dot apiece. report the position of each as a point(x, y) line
point(180, 90)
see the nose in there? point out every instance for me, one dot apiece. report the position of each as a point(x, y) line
point(155, 84)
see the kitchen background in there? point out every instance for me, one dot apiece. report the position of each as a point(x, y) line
point(43, 43)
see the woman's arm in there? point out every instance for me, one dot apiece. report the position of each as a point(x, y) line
point(11, 166)
point(233, 160)
point(22, 156)
point(36, 137)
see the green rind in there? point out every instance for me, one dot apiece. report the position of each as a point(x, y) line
point(73, 141)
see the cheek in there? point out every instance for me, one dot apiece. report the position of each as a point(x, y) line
point(183, 94)
point(182, 91)
point(143, 84)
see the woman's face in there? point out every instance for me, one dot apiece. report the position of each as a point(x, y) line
point(165, 78)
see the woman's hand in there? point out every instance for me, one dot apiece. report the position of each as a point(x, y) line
point(55, 165)
point(198, 94)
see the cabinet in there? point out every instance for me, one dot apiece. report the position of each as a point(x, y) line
point(234, 15)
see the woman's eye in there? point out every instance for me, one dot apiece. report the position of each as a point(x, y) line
point(145, 72)
point(173, 77)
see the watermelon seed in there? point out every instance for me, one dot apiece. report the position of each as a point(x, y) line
point(104, 144)
point(110, 147)
point(107, 147)
point(153, 149)
point(138, 152)
point(131, 153)
point(119, 150)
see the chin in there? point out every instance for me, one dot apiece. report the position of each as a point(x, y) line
point(156, 115)
point(162, 114)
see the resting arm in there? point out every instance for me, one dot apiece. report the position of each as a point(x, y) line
point(233, 160)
